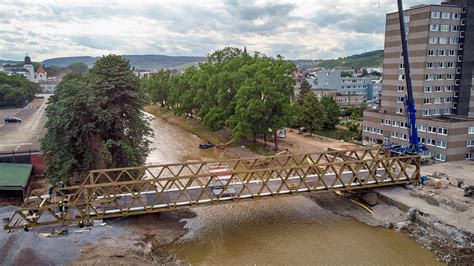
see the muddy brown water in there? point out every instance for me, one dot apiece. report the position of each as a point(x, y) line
point(290, 230)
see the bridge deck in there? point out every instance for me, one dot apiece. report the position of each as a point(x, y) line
point(147, 189)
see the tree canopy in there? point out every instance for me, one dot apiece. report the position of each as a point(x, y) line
point(251, 94)
point(16, 90)
point(95, 120)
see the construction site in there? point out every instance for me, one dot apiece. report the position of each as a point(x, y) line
point(200, 200)
point(151, 208)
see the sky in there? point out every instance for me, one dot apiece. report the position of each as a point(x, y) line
point(303, 29)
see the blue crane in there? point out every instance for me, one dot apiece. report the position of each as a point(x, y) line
point(414, 146)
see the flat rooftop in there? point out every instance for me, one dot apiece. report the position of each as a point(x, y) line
point(14, 176)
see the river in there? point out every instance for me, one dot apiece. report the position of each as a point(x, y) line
point(291, 230)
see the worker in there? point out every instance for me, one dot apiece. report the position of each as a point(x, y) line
point(50, 191)
point(81, 224)
point(65, 202)
point(60, 206)
point(25, 227)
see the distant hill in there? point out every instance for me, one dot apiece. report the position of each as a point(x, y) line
point(9, 62)
point(146, 62)
point(369, 59)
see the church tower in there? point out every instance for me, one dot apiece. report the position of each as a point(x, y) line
point(29, 66)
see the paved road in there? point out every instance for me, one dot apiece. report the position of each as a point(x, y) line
point(23, 136)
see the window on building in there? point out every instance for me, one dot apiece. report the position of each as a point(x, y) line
point(387, 122)
point(430, 142)
point(449, 76)
point(448, 99)
point(455, 28)
point(470, 156)
point(443, 40)
point(401, 77)
point(401, 88)
point(450, 64)
point(439, 76)
point(425, 112)
point(431, 52)
point(438, 88)
point(451, 52)
point(428, 88)
point(399, 99)
point(447, 111)
point(435, 14)
point(433, 40)
point(429, 65)
point(470, 143)
point(434, 27)
point(442, 131)
point(436, 112)
point(430, 77)
point(427, 101)
point(445, 15)
point(399, 110)
point(431, 129)
point(470, 130)
point(406, 19)
point(448, 88)
point(422, 128)
point(441, 144)
point(441, 52)
point(445, 28)
point(440, 157)
point(455, 16)
point(437, 100)
point(453, 40)
point(401, 66)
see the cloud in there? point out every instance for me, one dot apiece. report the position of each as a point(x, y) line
point(293, 29)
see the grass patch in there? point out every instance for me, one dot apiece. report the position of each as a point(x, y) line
point(259, 149)
point(193, 126)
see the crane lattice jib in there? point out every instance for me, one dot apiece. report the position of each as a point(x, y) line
point(154, 188)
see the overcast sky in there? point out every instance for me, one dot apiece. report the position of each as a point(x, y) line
point(294, 29)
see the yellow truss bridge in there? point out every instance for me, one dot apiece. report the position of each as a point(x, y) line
point(155, 188)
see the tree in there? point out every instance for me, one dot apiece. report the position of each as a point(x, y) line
point(77, 67)
point(16, 90)
point(157, 87)
point(312, 113)
point(95, 121)
point(332, 111)
point(304, 88)
point(346, 74)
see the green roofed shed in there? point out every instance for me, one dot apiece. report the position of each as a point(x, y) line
point(15, 177)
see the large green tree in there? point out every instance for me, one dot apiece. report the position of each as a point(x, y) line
point(303, 90)
point(332, 112)
point(313, 114)
point(16, 90)
point(157, 87)
point(95, 120)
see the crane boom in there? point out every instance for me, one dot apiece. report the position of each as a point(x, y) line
point(410, 111)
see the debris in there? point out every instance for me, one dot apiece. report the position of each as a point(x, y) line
point(437, 184)
point(45, 234)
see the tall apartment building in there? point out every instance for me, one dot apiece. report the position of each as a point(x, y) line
point(441, 51)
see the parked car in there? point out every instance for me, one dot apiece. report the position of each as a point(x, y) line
point(12, 119)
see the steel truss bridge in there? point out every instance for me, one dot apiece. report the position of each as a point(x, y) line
point(155, 188)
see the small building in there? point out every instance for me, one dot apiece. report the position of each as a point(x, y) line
point(49, 86)
point(15, 179)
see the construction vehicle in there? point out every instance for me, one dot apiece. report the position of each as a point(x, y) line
point(414, 146)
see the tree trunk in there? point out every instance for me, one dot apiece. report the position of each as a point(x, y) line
point(310, 132)
point(275, 139)
point(265, 140)
point(255, 137)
